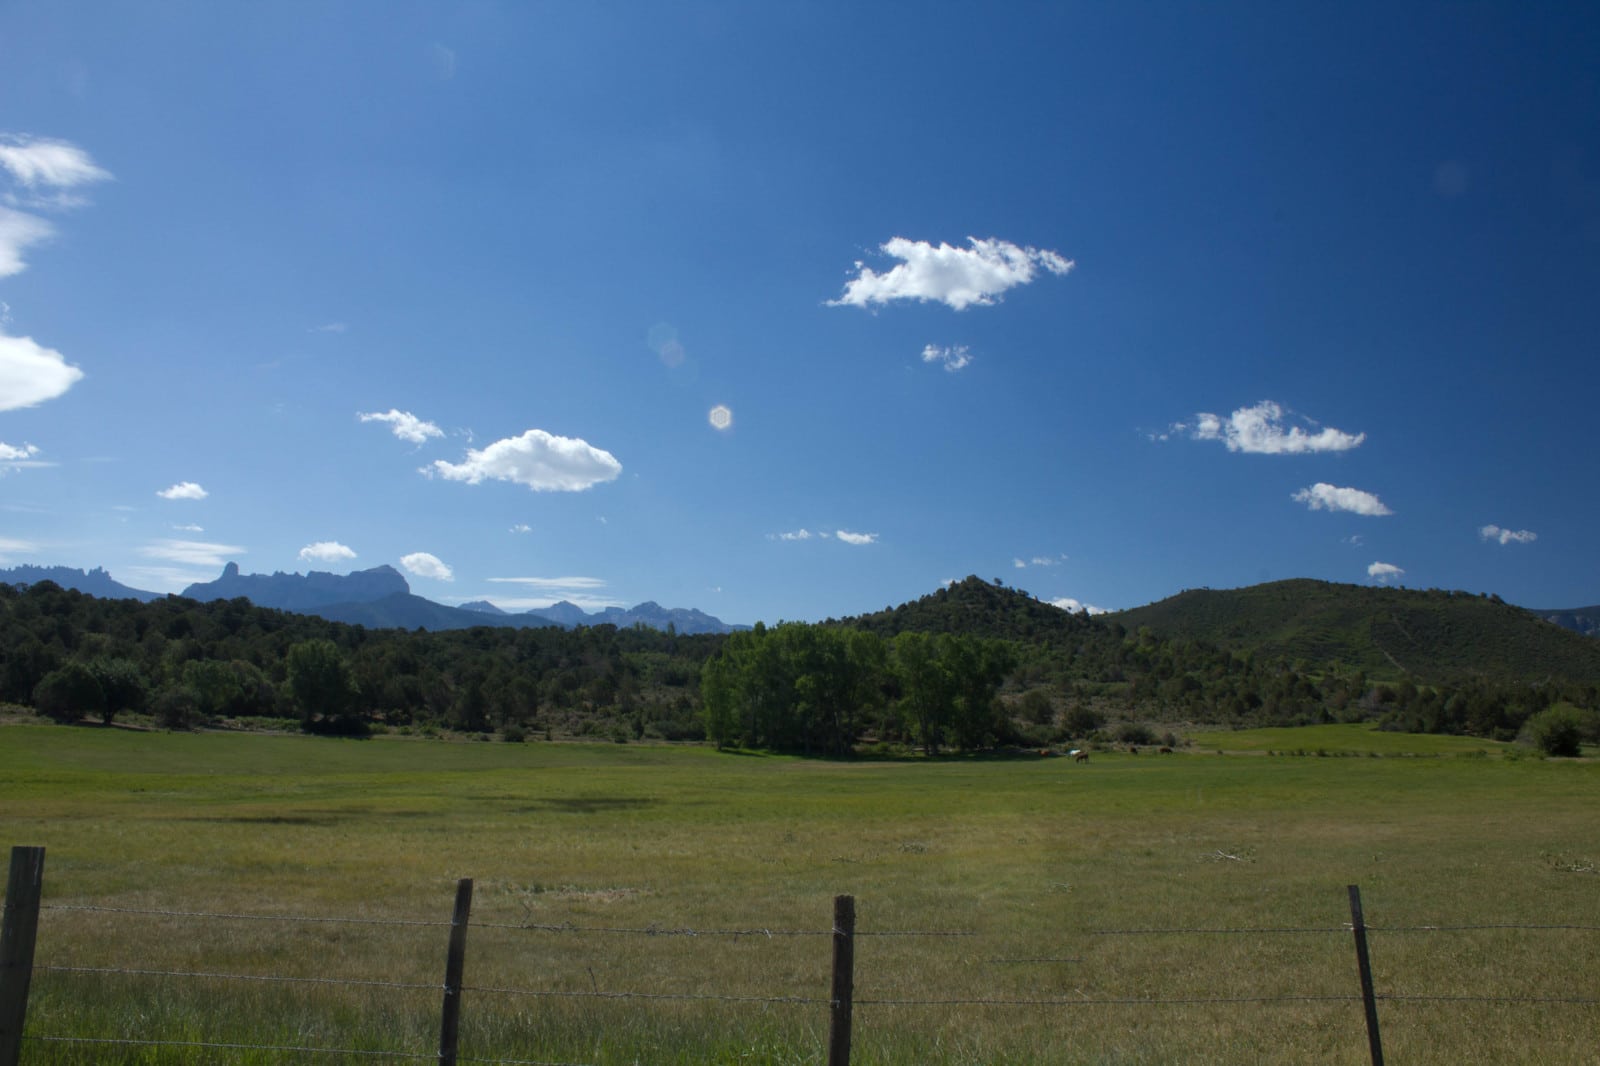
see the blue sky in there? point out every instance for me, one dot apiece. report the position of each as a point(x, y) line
point(797, 311)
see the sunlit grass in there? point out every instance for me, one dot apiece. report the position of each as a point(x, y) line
point(1041, 860)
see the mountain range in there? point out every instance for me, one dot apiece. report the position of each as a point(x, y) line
point(379, 598)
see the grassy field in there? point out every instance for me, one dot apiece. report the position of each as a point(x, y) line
point(1068, 877)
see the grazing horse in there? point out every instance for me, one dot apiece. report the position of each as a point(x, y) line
point(1163, 751)
point(1079, 755)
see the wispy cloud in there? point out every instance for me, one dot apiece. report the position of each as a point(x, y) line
point(539, 460)
point(856, 538)
point(954, 357)
point(1383, 573)
point(585, 592)
point(190, 528)
point(330, 327)
point(38, 162)
point(30, 373)
point(326, 551)
point(955, 277)
point(404, 425)
point(39, 171)
point(10, 546)
point(1067, 603)
point(191, 552)
point(522, 527)
point(1508, 536)
point(184, 490)
point(1259, 430)
point(426, 564)
point(13, 453)
point(1038, 560)
point(798, 534)
point(1325, 497)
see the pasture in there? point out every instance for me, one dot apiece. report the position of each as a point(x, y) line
point(591, 863)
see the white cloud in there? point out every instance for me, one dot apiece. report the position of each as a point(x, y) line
point(36, 161)
point(190, 528)
point(1259, 430)
point(42, 168)
point(191, 552)
point(1039, 560)
point(1020, 564)
point(184, 490)
point(31, 373)
point(1507, 536)
point(17, 232)
point(13, 453)
point(404, 425)
point(1325, 497)
point(10, 546)
point(326, 551)
point(425, 564)
point(539, 460)
point(1384, 572)
point(585, 592)
point(522, 527)
point(956, 277)
point(583, 583)
point(856, 538)
point(954, 357)
point(330, 327)
point(798, 534)
point(1067, 603)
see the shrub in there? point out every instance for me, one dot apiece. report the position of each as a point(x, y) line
point(1135, 733)
point(67, 694)
point(1557, 731)
point(177, 707)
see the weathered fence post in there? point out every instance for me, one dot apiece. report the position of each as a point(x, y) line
point(844, 961)
point(455, 965)
point(1359, 926)
point(18, 930)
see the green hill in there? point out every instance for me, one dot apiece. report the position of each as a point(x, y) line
point(1390, 633)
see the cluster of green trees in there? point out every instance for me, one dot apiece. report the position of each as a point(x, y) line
point(73, 656)
point(820, 689)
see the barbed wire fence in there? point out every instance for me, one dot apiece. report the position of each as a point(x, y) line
point(23, 904)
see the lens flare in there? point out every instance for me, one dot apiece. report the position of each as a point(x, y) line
point(721, 417)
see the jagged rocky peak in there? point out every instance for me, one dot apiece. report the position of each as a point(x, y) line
point(299, 592)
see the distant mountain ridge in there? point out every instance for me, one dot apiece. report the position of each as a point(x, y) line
point(94, 582)
point(382, 598)
point(1585, 620)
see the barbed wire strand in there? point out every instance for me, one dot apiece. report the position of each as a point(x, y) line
point(353, 982)
point(1221, 930)
point(239, 917)
point(697, 996)
point(563, 927)
point(518, 1062)
point(216, 1045)
point(1471, 928)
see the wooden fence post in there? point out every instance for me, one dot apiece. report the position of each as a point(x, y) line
point(455, 965)
point(1359, 926)
point(844, 956)
point(18, 929)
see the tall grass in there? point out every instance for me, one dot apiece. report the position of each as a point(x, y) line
point(1036, 858)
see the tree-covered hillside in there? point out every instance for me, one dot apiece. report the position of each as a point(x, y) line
point(1427, 636)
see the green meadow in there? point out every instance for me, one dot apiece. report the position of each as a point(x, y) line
point(1184, 908)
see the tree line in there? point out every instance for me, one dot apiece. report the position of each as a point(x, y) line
point(969, 667)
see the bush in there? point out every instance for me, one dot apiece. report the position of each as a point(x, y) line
point(177, 707)
point(67, 694)
point(1135, 733)
point(1558, 731)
